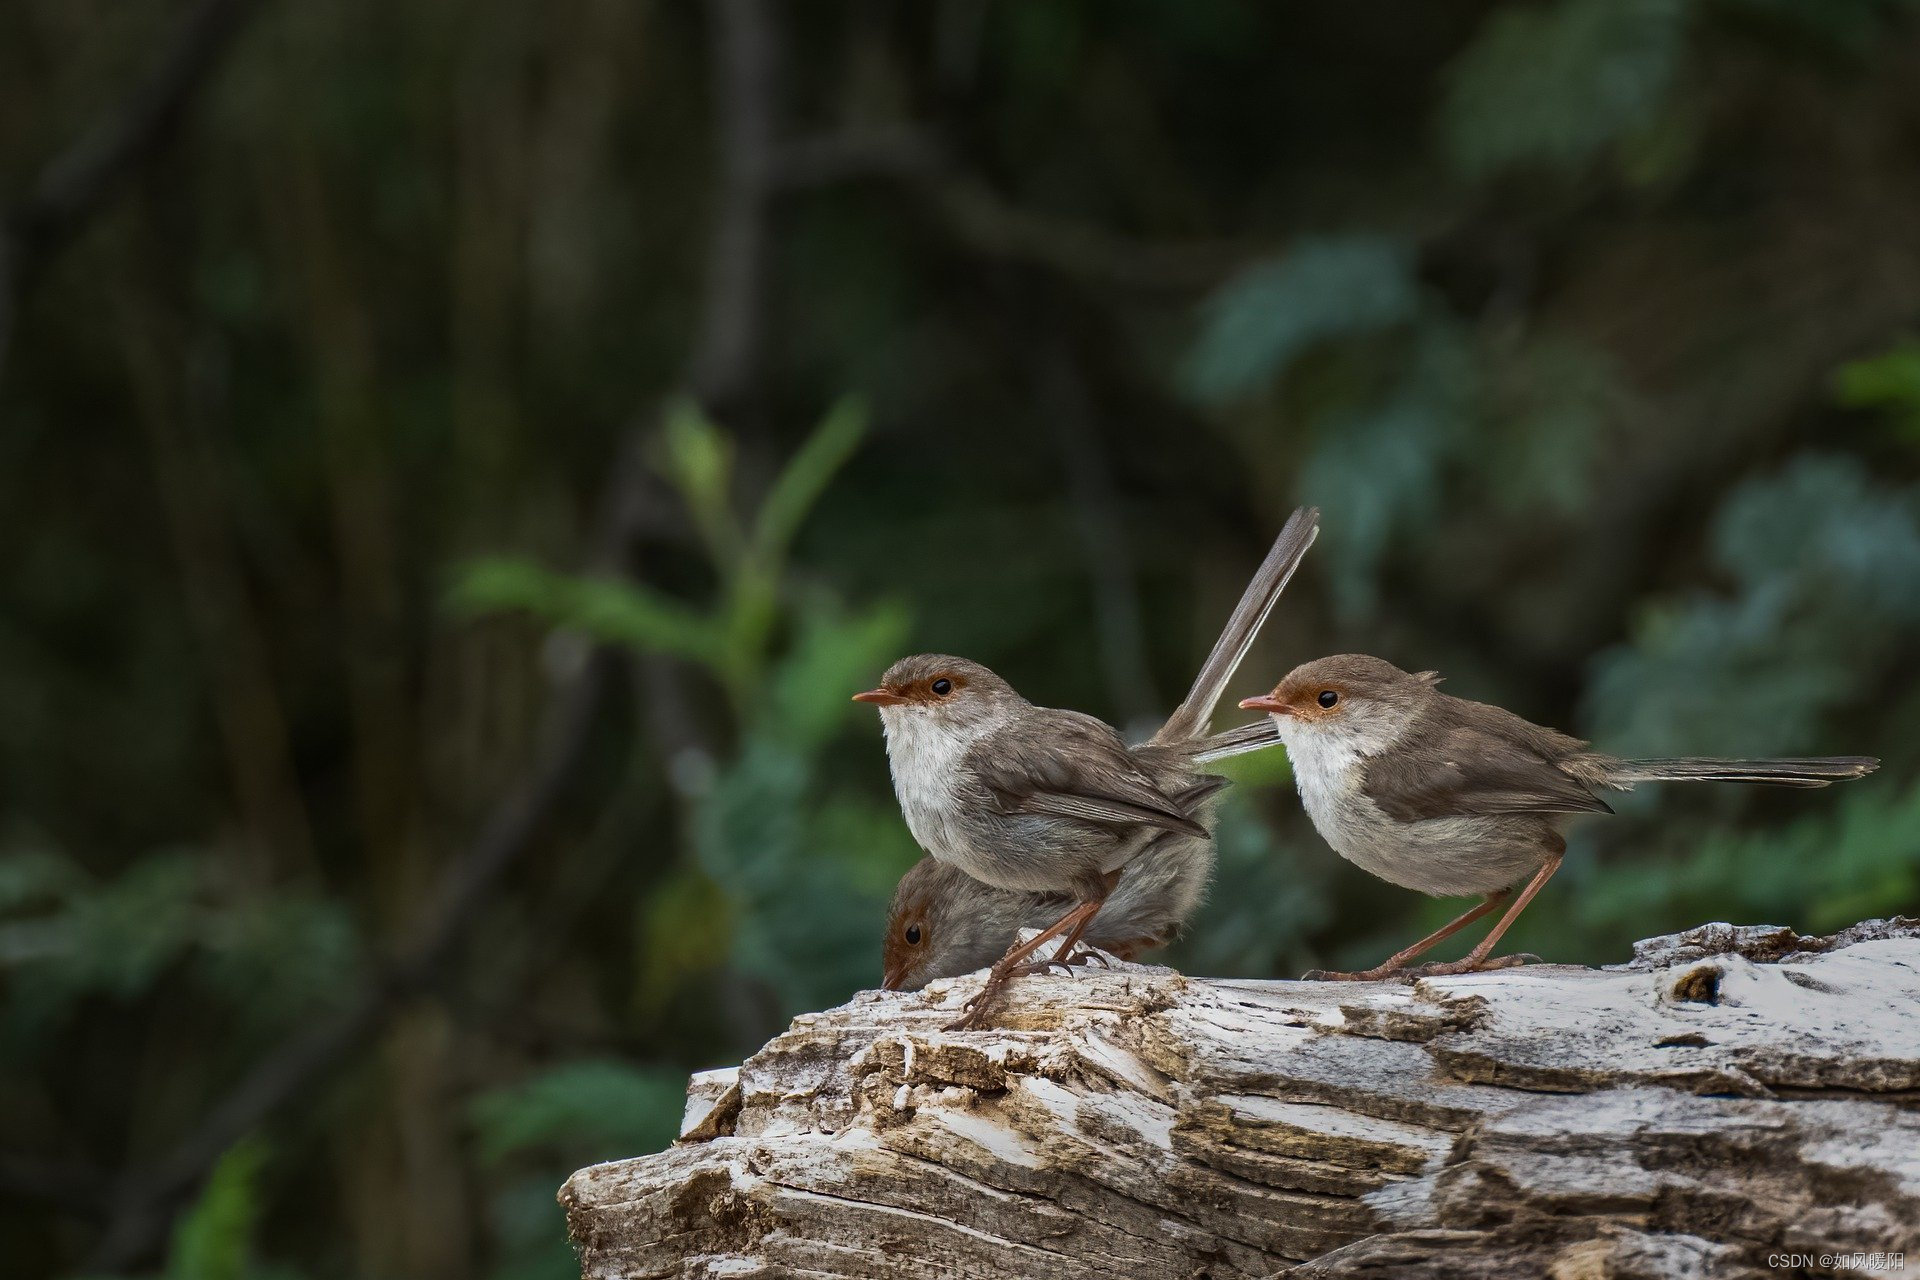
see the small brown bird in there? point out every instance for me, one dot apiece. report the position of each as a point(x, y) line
point(1452, 798)
point(944, 923)
point(1039, 800)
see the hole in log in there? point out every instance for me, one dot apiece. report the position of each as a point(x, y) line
point(1698, 986)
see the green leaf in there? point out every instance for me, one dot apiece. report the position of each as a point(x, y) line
point(625, 613)
point(1827, 569)
point(699, 461)
point(746, 632)
point(1824, 526)
point(1382, 467)
point(833, 656)
point(1553, 85)
point(1327, 288)
point(128, 931)
point(1890, 378)
point(37, 878)
point(1853, 857)
point(767, 832)
point(1890, 381)
point(591, 1110)
point(213, 1240)
point(282, 957)
point(1552, 401)
point(804, 479)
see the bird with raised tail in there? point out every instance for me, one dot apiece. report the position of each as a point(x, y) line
point(1034, 800)
point(1455, 798)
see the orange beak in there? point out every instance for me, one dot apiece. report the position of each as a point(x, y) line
point(1268, 703)
point(879, 698)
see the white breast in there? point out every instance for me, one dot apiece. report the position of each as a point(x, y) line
point(925, 761)
point(1444, 857)
point(1327, 767)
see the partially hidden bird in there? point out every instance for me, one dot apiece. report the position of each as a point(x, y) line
point(1036, 800)
point(1454, 798)
point(944, 923)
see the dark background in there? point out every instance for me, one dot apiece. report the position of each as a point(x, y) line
point(456, 459)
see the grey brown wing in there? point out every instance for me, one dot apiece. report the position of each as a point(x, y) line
point(1073, 766)
point(1467, 772)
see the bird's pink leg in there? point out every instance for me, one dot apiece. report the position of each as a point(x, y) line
point(1399, 959)
point(1063, 956)
point(1012, 964)
point(1476, 960)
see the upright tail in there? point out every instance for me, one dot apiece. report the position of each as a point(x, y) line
point(1811, 771)
point(1189, 719)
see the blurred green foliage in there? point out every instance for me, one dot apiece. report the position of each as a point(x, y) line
point(1588, 323)
point(69, 939)
point(214, 1239)
point(1889, 381)
point(1825, 568)
point(530, 1135)
point(788, 869)
point(1590, 74)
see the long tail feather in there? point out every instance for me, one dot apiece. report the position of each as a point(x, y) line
point(1237, 742)
point(1189, 719)
point(1812, 771)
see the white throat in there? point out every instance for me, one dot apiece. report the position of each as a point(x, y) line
point(924, 757)
point(1327, 759)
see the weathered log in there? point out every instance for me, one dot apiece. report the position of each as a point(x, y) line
point(1730, 1097)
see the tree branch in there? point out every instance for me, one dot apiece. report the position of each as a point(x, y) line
point(1133, 1123)
point(75, 184)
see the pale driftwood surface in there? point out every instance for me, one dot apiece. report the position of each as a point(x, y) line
point(1732, 1094)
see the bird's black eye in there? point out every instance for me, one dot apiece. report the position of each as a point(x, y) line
point(942, 687)
point(1328, 697)
point(913, 935)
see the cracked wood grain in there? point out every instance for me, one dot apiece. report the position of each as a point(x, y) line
point(1730, 1093)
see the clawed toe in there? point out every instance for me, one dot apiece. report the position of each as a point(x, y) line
point(973, 1014)
point(1033, 967)
point(970, 1019)
point(1081, 956)
point(1452, 968)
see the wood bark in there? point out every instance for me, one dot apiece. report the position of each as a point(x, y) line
point(1730, 1097)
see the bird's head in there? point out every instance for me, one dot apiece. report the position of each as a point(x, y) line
point(937, 689)
point(942, 923)
point(1348, 695)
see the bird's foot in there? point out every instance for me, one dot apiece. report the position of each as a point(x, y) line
point(1033, 967)
point(973, 1014)
point(1449, 968)
point(1080, 956)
